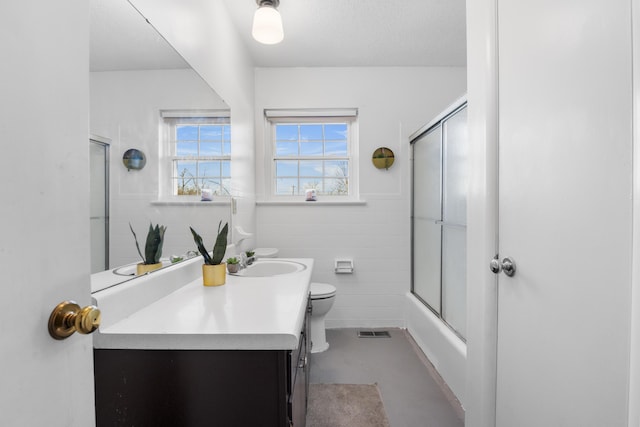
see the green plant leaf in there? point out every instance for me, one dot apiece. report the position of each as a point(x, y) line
point(136, 239)
point(200, 246)
point(220, 246)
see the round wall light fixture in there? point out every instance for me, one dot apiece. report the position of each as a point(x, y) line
point(383, 158)
point(134, 159)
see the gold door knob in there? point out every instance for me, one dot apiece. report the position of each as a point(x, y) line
point(68, 318)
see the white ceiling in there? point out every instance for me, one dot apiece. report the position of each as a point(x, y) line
point(318, 33)
point(329, 33)
point(121, 39)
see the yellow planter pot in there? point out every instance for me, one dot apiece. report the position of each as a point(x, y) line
point(145, 268)
point(214, 275)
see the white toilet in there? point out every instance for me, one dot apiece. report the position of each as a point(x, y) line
point(322, 297)
point(266, 252)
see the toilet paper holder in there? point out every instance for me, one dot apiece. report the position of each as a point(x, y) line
point(344, 266)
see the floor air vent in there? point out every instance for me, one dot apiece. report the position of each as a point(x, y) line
point(373, 334)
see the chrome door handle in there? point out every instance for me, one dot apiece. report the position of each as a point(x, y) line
point(507, 265)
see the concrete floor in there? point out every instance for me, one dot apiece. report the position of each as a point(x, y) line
point(412, 392)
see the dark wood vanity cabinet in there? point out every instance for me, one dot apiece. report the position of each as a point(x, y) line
point(226, 388)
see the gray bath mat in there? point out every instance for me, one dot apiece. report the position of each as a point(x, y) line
point(345, 405)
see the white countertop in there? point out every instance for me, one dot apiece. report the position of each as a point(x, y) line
point(247, 313)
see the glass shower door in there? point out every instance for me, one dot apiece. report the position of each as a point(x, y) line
point(439, 220)
point(427, 215)
point(454, 222)
point(99, 204)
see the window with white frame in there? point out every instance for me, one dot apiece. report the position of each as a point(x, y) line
point(198, 154)
point(313, 150)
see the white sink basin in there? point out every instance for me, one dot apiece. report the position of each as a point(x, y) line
point(270, 267)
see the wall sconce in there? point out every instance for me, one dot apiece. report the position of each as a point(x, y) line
point(134, 159)
point(267, 22)
point(383, 158)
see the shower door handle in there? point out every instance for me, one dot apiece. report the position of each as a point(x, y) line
point(507, 265)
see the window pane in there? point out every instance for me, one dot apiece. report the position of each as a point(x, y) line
point(337, 186)
point(186, 148)
point(210, 149)
point(287, 168)
point(184, 169)
point(226, 187)
point(336, 168)
point(335, 131)
point(311, 148)
point(226, 132)
point(286, 132)
point(226, 167)
point(226, 149)
point(310, 132)
point(311, 183)
point(209, 169)
point(287, 187)
point(212, 183)
point(311, 168)
point(335, 148)
point(185, 188)
point(211, 132)
point(286, 149)
point(187, 132)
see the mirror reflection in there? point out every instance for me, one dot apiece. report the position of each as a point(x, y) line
point(144, 96)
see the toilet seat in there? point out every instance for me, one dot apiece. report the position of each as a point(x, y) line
point(322, 290)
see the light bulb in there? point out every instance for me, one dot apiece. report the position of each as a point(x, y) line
point(267, 25)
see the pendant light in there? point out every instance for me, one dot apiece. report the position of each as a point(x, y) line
point(267, 23)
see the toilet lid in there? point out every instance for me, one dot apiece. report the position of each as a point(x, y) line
point(322, 290)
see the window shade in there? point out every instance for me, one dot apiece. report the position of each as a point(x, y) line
point(333, 112)
point(178, 114)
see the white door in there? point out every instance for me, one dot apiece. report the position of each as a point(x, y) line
point(564, 212)
point(44, 211)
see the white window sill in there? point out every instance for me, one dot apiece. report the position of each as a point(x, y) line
point(224, 202)
point(316, 203)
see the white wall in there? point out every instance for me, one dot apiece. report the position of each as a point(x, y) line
point(392, 103)
point(125, 107)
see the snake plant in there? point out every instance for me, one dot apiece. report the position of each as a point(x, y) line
point(219, 247)
point(153, 245)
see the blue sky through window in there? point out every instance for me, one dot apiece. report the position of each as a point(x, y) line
point(309, 146)
point(202, 152)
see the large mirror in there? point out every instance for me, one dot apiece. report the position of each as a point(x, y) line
point(139, 89)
